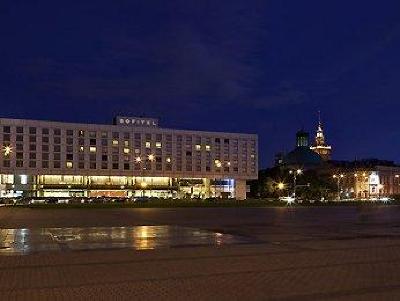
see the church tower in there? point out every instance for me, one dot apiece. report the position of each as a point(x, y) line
point(319, 146)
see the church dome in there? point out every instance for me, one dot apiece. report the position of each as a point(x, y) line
point(302, 156)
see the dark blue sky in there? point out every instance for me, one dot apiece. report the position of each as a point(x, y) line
point(263, 67)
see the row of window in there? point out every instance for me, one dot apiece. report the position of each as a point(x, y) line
point(114, 135)
point(117, 166)
point(114, 142)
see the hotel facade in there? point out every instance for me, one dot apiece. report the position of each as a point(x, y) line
point(130, 158)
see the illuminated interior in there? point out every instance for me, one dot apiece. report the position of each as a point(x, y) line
point(114, 186)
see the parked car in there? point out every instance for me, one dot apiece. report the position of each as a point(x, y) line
point(37, 201)
point(287, 199)
point(142, 199)
point(62, 201)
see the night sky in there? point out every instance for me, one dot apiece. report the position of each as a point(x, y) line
point(262, 67)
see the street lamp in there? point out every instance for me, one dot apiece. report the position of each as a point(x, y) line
point(295, 173)
point(7, 150)
point(281, 186)
point(338, 179)
point(218, 164)
point(139, 160)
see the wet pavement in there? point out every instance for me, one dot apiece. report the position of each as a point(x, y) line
point(26, 241)
point(335, 253)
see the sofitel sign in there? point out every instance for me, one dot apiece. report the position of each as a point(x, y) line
point(136, 121)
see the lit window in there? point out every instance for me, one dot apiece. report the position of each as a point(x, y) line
point(148, 144)
point(168, 160)
point(198, 147)
point(126, 150)
point(126, 142)
point(81, 148)
point(158, 144)
point(92, 149)
point(115, 142)
point(69, 164)
point(208, 148)
point(24, 179)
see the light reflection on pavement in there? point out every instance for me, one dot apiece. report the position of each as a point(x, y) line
point(26, 241)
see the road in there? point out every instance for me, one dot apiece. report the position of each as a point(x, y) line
point(315, 253)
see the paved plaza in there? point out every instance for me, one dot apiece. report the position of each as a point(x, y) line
point(316, 253)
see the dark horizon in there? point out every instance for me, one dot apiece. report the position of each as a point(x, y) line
point(232, 66)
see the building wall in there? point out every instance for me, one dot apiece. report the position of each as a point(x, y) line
point(240, 190)
point(55, 148)
point(378, 181)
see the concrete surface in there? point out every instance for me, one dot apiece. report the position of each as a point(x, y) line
point(338, 253)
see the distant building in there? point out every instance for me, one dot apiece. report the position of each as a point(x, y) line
point(302, 156)
point(320, 146)
point(278, 160)
point(370, 178)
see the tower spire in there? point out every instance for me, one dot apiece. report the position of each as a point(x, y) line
point(320, 146)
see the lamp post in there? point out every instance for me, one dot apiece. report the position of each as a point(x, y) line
point(139, 160)
point(218, 164)
point(338, 180)
point(295, 173)
point(226, 165)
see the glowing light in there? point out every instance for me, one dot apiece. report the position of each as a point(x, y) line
point(168, 160)
point(24, 179)
point(138, 159)
point(299, 171)
point(151, 157)
point(290, 201)
point(228, 163)
point(143, 184)
point(218, 163)
point(281, 186)
point(7, 150)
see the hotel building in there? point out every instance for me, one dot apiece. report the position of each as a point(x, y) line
point(131, 157)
